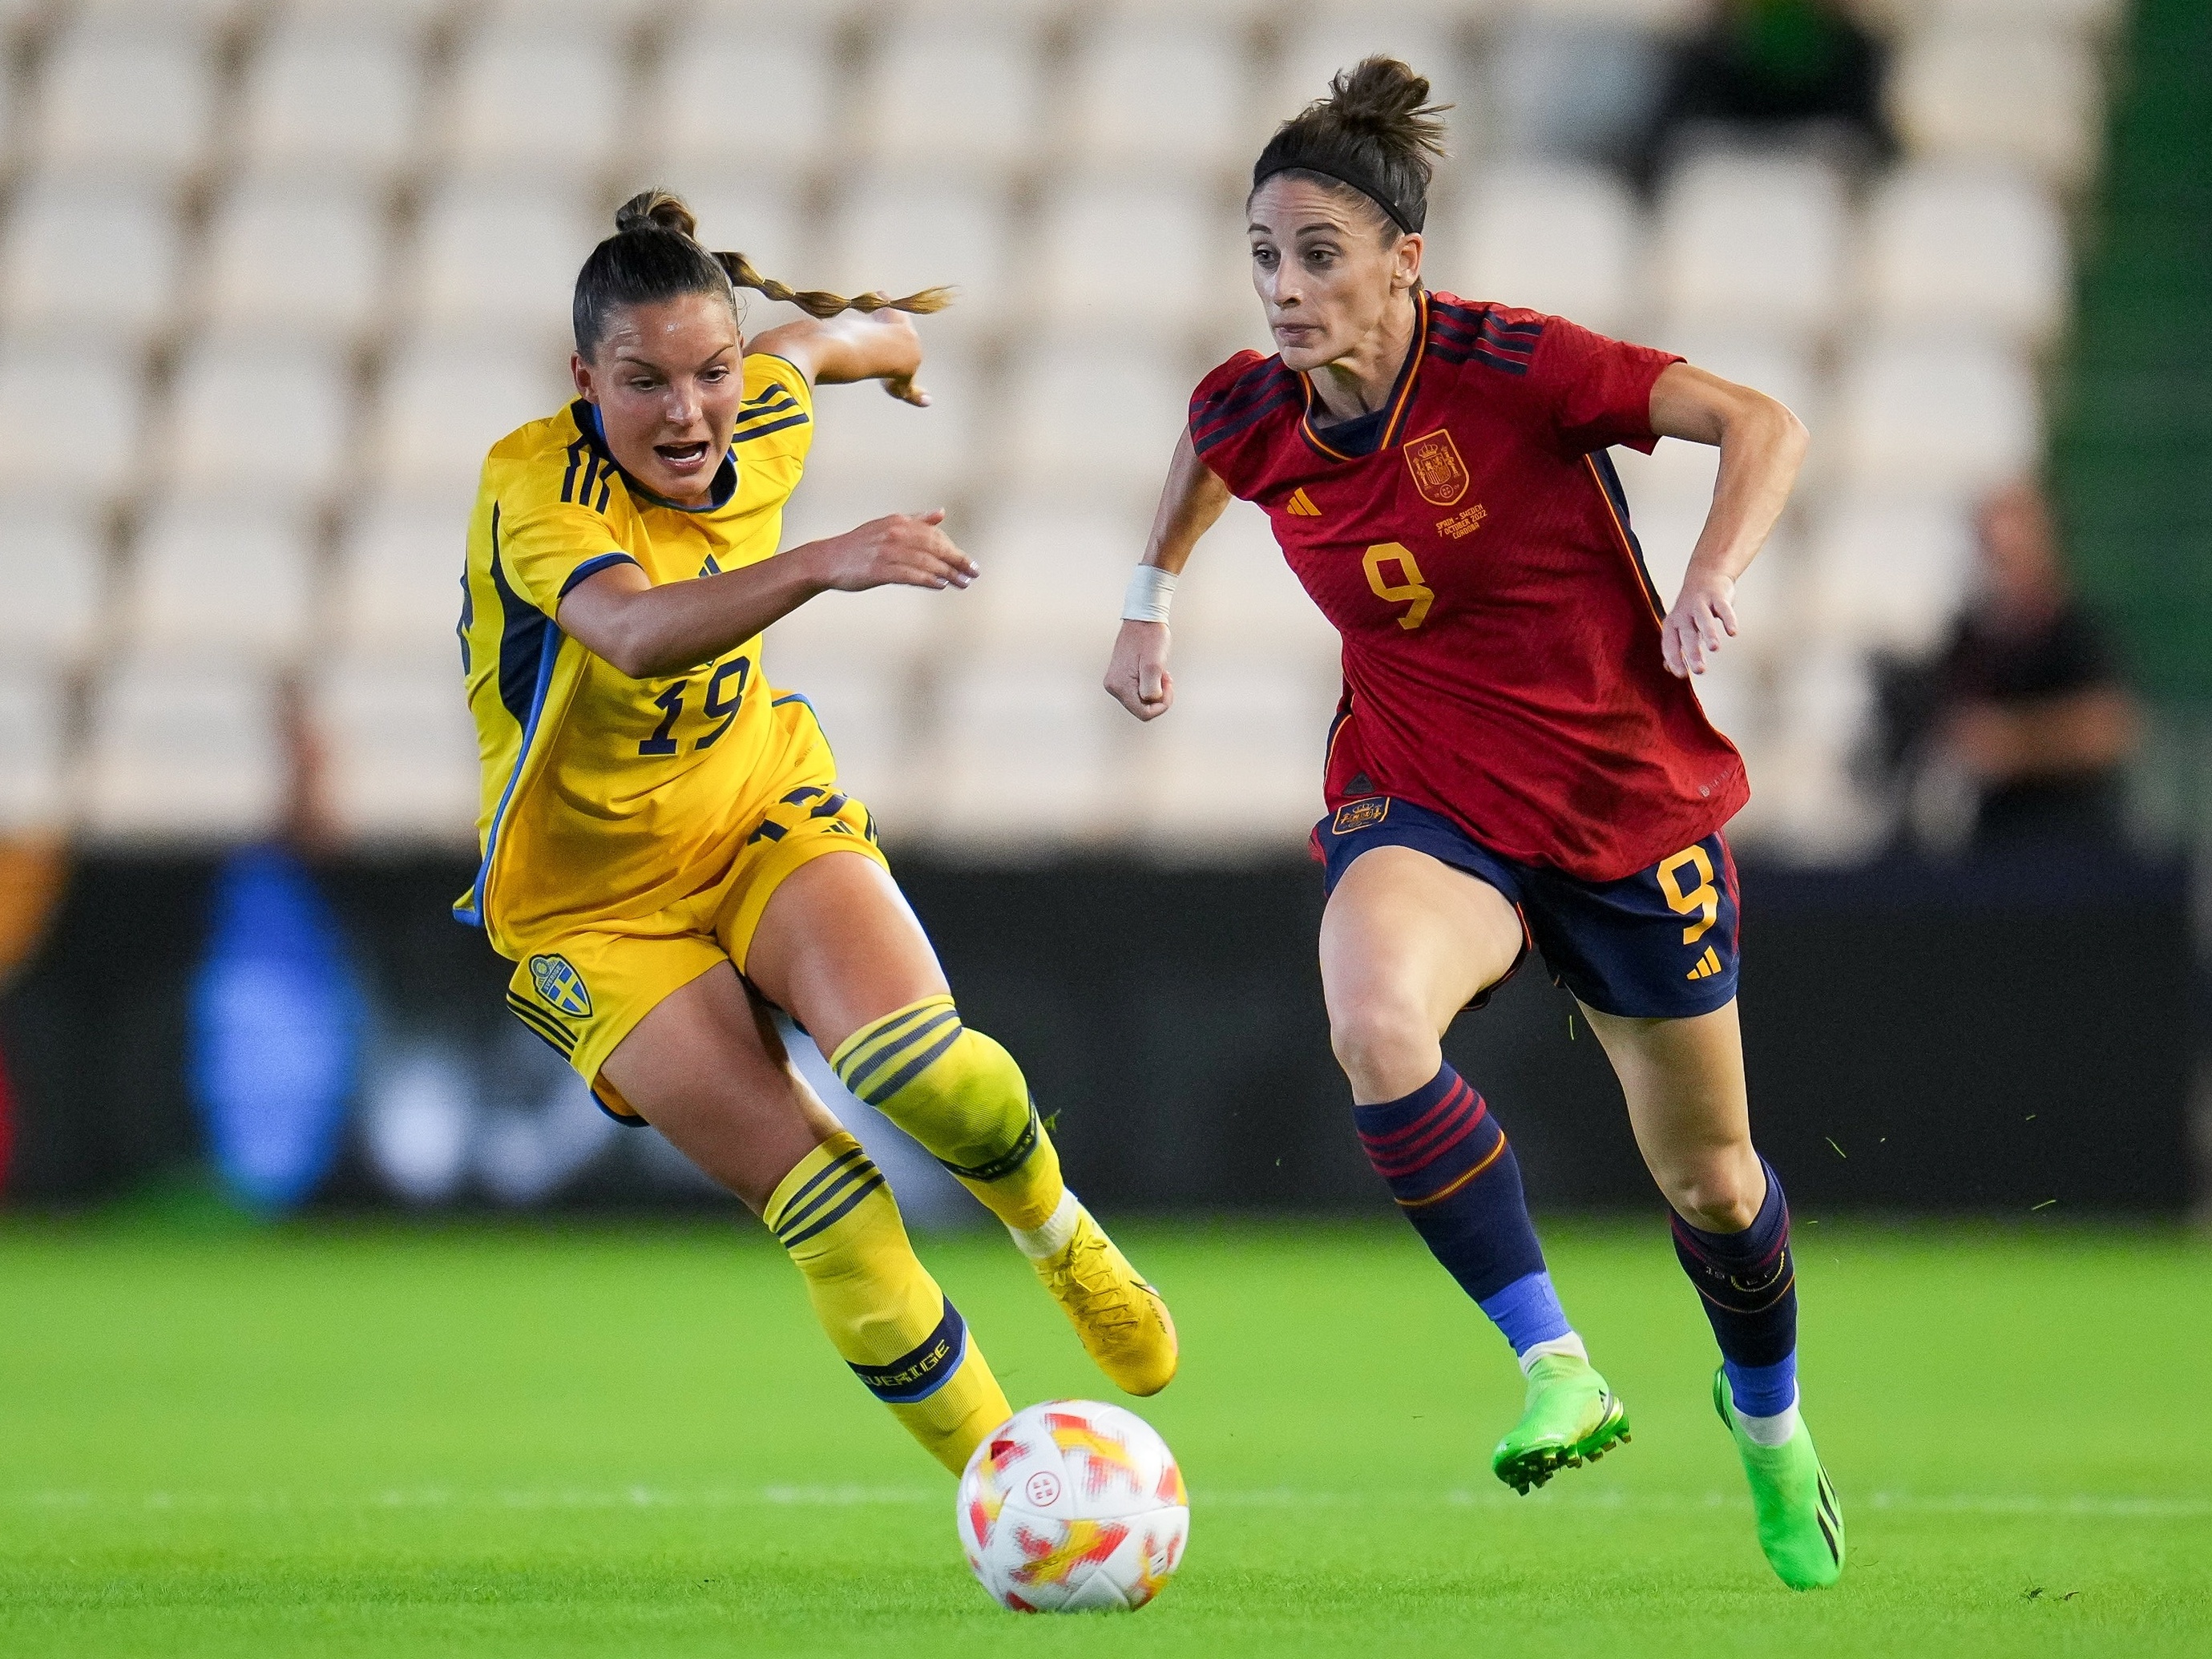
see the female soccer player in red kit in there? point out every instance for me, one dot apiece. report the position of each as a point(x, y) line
point(1518, 759)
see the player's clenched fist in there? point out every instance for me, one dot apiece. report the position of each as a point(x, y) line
point(1138, 677)
point(903, 550)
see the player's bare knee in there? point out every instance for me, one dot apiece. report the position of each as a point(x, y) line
point(1716, 1200)
point(1381, 1041)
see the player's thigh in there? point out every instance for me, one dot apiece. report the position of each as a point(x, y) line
point(707, 1069)
point(1407, 935)
point(838, 946)
point(1683, 1080)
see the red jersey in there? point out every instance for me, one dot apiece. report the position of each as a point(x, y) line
point(1501, 635)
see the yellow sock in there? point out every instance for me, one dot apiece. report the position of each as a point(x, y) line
point(960, 1095)
point(882, 1311)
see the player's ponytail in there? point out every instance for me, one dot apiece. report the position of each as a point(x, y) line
point(1375, 133)
point(654, 255)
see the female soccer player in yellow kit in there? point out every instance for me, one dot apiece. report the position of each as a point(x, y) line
point(667, 855)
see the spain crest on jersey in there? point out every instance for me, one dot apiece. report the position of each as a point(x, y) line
point(1438, 472)
point(560, 985)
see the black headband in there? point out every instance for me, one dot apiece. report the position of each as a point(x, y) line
point(1344, 173)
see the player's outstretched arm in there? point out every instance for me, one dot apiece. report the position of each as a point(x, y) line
point(879, 345)
point(646, 631)
point(1193, 498)
point(1762, 444)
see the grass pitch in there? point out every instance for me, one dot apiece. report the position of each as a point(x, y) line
point(377, 1442)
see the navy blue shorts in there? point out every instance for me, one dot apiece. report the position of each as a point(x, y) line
point(1660, 944)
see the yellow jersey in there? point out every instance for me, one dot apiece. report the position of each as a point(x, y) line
point(604, 795)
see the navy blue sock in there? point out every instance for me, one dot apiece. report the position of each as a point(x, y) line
point(1447, 1163)
point(1748, 1283)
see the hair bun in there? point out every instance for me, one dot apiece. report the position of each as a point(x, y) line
point(657, 209)
point(1384, 97)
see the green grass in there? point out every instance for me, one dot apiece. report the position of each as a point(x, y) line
point(633, 1441)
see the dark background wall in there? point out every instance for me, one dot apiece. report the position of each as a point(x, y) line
point(1981, 1038)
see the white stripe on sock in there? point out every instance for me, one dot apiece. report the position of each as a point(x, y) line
point(1050, 1239)
point(1774, 1430)
point(1571, 1346)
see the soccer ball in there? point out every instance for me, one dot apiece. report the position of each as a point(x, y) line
point(1072, 1506)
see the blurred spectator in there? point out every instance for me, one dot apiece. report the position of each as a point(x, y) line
point(2029, 706)
point(1774, 70)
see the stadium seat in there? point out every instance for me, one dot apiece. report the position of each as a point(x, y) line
point(1189, 246)
point(90, 251)
point(220, 575)
point(133, 91)
point(762, 217)
point(1888, 570)
point(267, 420)
point(445, 401)
point(1238, 601)
point(33, 750)
point(898, 233)
point(874, 451)
point(749, 87)
point(1751, 244)
point(68, 416)
point(397, 586)
point(2006, 92)
point(334, 88)
point(299, 251)
point(1054, 572)
point(1164, 88)
point(1806, 796)
point(400, 749)
point(1235, 767)
point(1552, 236)
point(2089, 16)
point(867, 709)
point(501, 253)
point(53, 569)
point(185, 747)
point(1566, 80)
point(1023, 758)
point(1336, 34)
point(1099, 416)
point(886, 629)
point(542, 87)
point(950, 87)
point(1943, 413)
point(1952, 246)
point(1781, 367)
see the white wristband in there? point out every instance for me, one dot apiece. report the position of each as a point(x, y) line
point(1151, 591)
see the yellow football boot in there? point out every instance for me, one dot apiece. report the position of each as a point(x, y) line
point(1123, 1322)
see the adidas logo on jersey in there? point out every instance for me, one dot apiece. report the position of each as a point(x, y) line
point(1708, 965)
point(1301, 505)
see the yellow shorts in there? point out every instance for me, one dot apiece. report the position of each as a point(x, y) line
point(584, 988)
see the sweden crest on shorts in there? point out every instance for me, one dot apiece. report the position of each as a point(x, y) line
point(560, 985)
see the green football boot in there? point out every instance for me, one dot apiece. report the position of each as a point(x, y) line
point(1570, 1418)
point(1801, 1527)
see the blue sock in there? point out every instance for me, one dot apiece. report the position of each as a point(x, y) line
point(1748, 1283)
point(1446, 1161)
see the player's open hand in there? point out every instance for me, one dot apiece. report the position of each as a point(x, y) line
point(1138, 677)
point(904, 549)
point(1704, 615)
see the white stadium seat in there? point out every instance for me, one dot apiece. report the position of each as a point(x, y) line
point(1024, 754)
point(1889, 570)
point(760, 217)
point(1054, 571)
point(900, 232)
point(1963, 246)
point(400, 749)
point(888, 627)
point(34, 749)
point(90, 251)
point(1783, 368)
point(299, 251)
point(749, 88)
point(446, 401)
point(871, 448)
point(53, 569)
point(1235, 767)
point(947, 91)
point(222, 576)
point(1166, 90)
point(69, 416)
point(1095, 416)
point(1192, 253)
point(2004, 92)
point(334, 89)
point(1331, 37)
point(1752, 243)
point(185, 747)
point(397, 584)
point(133, 93)
point(1551, 236)
point(501, 254)
point(542, 93)
point(2080, 15)
point(1238, 600)
point(265, 419)
point(1943, 413)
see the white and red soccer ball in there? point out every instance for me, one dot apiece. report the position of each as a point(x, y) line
point(1072, 1506)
